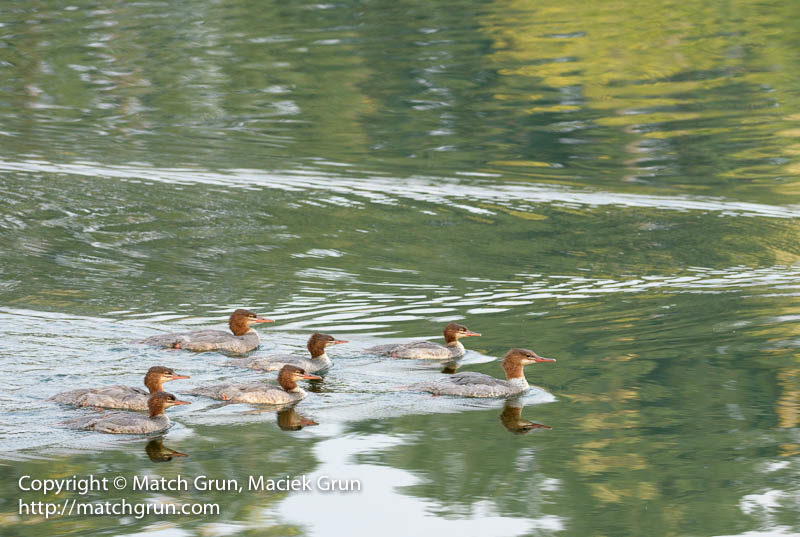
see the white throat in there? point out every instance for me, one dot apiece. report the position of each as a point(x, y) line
point(322, 357)
point(519, 383)
point(456, 345)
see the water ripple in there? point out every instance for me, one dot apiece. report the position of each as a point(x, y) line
point(438, 191)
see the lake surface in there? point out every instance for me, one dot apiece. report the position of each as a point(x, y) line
point(613, 184)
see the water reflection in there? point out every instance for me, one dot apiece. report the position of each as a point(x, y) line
point(448, 368)
point(290, 420)
point(511, 418)
point(158, 452)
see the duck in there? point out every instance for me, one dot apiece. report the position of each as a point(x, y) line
point(428, 350)
point(122, 422)
point(258, 392)
point(471, 384)
point(316, 345)
point(118, 395)
point(242, 340)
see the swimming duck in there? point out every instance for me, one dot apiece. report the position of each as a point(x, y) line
point(120, 396)
point(316, 347)
point(243, 339)
point(471, 384)
point(428, 350)
point(131, 422)
point(258, 392)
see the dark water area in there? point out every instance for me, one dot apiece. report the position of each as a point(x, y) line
point(612, 184)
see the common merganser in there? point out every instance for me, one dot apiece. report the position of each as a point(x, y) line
point(244, 338)
point(258, 392)
point(119, 396)
point(290, 420)
point(316, 346)
point(158, 452)
point(471, 384)
point(131, 422)
point(511, 418)
point(427, 350)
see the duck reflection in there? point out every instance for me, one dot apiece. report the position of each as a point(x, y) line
point(448, 368)
point(511, 418)
point(290, 420)
point(157, 452)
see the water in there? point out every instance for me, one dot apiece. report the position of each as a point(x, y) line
point(613, 185)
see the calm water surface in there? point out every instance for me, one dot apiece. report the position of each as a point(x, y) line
point(613, 184)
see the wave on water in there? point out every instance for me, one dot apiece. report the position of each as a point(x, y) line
point(380, 189)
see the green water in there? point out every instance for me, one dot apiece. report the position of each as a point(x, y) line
point(613, 184)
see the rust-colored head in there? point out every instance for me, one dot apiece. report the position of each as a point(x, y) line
point(453, 332)
point(317, 343)
point(241, 319)
point(160, 401)
point(157, 375)
point(290, 374)
point(516, 358)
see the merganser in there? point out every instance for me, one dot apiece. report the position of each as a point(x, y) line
point(131, 422)
point(471, 384)
point(244, 338)
point(511, 418)
point(427, 350)
point(158, 452)
point(258, 392)
point(316, 346)
point(119, 396)
point(290, 420)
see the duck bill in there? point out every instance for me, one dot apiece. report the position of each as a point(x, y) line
point(177, 453)
point(262, 320)
point(541, 359)
point(338, 341)
point(306, 422)
point(470, 333)
point(180, 402)
point(179, 377)
point(310, 377)
point(533, 425)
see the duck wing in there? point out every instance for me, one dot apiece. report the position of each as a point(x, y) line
point(117, 396)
